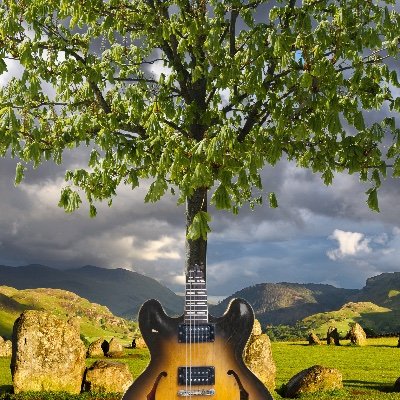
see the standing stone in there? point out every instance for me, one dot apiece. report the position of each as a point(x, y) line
point(332, 336)
point(5, 347)
point(313, 339)
point(106, 376)
point(357, 335)
point(47, 354)
point(258, 357)
point(115, 348)
point(314, 379)
point(140, 343)
point(95, 348)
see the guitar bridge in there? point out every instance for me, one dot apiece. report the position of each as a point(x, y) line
point(200, 392)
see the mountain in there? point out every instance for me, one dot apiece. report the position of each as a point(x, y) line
point(285, 303)
point(383, 289)
point(95, 320)
point(122, 291)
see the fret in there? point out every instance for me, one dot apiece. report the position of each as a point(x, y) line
point(196, 308)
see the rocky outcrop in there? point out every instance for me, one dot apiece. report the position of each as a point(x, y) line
point(5, 347)
point(47, 354)
point(106, 376)
point(313, 339)
point(314, 379)
point(357, 335)
point(258, 357)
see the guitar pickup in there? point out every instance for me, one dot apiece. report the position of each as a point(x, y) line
point(196, 333)
point(196, 376)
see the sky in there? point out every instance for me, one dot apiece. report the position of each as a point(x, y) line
point(318, 234)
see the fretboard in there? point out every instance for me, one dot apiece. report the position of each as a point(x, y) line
point(196, 308)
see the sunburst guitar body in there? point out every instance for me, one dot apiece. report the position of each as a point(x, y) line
point(196, 356)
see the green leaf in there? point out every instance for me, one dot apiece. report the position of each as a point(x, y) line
point(372, 200)
point(156, 191)
point(221, 198)
point(19, 174)
point(92, 211)
point(199, 228)
point(273, 202)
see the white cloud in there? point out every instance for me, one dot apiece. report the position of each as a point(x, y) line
point(164, 248)
point(350, 244)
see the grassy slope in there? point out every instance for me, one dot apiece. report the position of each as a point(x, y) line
point(95, 320)
point(368, 315)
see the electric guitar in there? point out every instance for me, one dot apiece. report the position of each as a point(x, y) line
point(196, 355)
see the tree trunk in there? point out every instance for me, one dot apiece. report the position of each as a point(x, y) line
point(196, 250)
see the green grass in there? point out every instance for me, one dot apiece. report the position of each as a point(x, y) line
point(368, 372)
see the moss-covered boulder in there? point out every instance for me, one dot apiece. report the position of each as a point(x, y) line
point(106, 376)
point(258, 357)
point(313, 339)
point(314, 379)
point(47, 354)
point(357, 335)
point(95, 348)
point(5, 347)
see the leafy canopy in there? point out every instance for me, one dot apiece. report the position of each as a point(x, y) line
point(199, 94)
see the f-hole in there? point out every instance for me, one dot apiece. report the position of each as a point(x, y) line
point(152, 394)
point(243, 394)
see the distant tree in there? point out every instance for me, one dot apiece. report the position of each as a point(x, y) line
point(242, 87)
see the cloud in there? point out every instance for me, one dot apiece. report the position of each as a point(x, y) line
point(350, 244)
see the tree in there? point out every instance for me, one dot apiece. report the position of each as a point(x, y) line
point(243, 85)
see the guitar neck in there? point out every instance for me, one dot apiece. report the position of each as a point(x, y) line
point(196, 307)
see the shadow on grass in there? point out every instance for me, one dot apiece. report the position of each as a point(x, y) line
point(6, 389)
point(357, 385)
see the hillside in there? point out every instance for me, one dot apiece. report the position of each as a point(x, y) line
point(383, 289)
point(95, 320)
point(122, 291)
point(373, 318)
point(286, 303)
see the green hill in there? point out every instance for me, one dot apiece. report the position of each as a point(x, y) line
point(122, 291)
point(95, 320)
point(286, 303)
point(371, 317)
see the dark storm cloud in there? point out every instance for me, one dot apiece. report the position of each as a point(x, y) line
point(317, 234)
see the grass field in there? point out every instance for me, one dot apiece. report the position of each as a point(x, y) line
point(368, 372)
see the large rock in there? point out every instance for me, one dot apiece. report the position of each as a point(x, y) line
point(115, 348)
point(5, 347)
point(258, 357)
point(313, 339)
point(140, 343)
point(357, 335)
point(47, 354)
point(332, 336)
point(95, 348)
point(314, 379)
point(106, 376)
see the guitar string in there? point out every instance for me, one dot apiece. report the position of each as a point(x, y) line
point(190, 331)
point(185, 325)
